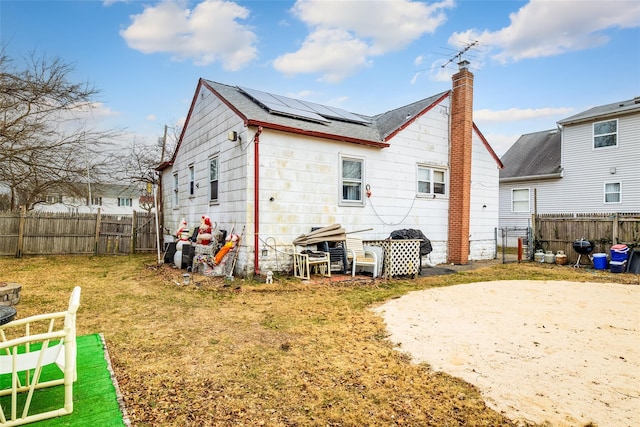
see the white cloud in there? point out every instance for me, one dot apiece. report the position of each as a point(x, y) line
point(334, 53)
point(346, 34)
point(89, 111)
point(544, 28)
point(208, 33)
point(152, 117)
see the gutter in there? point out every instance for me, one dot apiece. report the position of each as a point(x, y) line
point(531, 177)
point(256, 201)
point(341, 138)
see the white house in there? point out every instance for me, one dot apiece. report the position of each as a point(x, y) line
point(111, 199)
point(272, 167)
point(589, 164)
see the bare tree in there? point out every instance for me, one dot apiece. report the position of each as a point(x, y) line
point(138, 163)
point(44, 146)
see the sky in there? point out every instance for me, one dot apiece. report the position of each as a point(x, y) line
point(535, 62)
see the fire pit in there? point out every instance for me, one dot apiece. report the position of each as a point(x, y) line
point(583, 247)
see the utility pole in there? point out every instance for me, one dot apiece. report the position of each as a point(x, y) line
point(164, 144)
point(86, 157)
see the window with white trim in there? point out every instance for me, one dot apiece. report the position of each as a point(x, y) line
point(125, 201)
point(520, 200)
point(175, 190)
point(192, 181)
point(352, 181)
point(213, 179)
point(605, 134)
point(612, 192)
point(431, 181)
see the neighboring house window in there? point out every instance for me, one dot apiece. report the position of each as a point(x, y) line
point(352, 171)
point(213, 179)
point(97, 201)
point(605, 134)
point(612, 192)
point(520, 200)
point(123, 201)
point(192, 181)
point(54, 199)
point(175, 190)
point(430, 181)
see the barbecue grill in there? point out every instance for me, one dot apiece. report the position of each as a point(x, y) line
point(583, 247)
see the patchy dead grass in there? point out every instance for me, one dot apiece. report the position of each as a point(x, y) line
point(286, 354)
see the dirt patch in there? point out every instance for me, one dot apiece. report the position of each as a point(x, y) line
point(562, 352)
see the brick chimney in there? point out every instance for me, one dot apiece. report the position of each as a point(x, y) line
point(460, 164)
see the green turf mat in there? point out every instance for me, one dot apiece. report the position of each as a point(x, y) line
point(95, 397)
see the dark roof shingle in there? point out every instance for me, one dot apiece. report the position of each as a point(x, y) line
point(533, 155)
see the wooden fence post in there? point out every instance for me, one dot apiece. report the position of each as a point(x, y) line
point(97, 238)
point(23, 215)
point(614, 229)
point(134, 225)
point(533, 231)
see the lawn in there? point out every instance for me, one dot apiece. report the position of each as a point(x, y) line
point(286, 354)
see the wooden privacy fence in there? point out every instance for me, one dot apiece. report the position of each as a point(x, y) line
point(48, 233)
point(554, 232)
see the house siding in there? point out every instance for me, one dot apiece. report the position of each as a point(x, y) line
point(206, 136)
point(300, 184)
point(585, 171)
point(302, 175)
point(484, 203)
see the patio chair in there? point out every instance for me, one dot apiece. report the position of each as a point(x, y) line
point(306, 261)
point(30, 349)
point(359, 256)
point(337, 253)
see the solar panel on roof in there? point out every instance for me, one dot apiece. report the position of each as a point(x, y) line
point(336, 113)
point(295, 112)
point(276, 105)
point(279, 104)
point(293, 103)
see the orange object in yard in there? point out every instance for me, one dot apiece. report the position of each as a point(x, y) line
point(222, 252)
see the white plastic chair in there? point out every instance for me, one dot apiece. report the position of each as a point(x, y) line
point(359, 256)
point(303, 264)
point(26, 347)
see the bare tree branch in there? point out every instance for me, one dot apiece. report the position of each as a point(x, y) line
point(44, 148)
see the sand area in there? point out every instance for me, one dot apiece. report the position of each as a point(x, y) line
point(566, 353)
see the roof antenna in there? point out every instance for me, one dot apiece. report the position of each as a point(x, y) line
point(459, 54)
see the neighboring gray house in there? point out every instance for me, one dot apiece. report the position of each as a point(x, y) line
point(589, 164)
point(272, 167)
